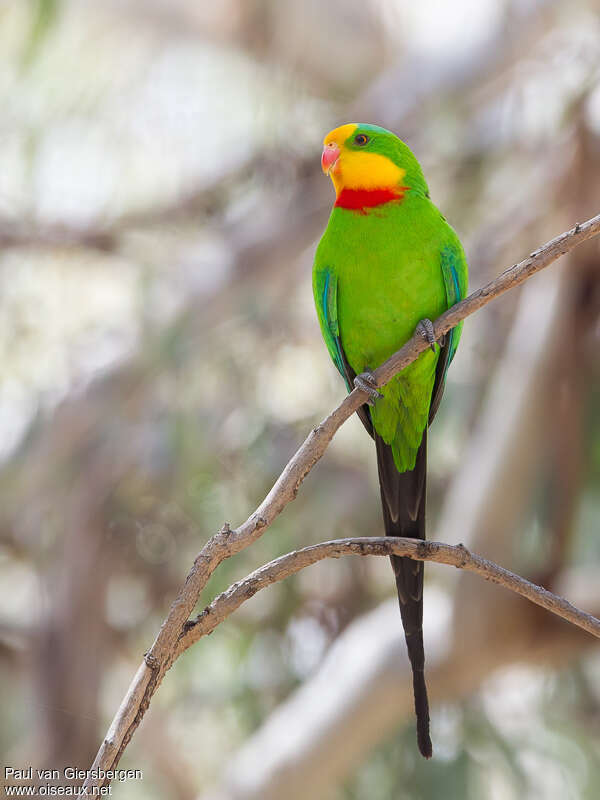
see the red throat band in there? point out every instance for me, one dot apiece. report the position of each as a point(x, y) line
point(361, 199)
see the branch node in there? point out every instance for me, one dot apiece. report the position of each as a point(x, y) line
point(225, 530)
point(577, 227)
point(465, 555)
point(251, 588)
point(191, 623)
point(259, 522)
point(151, 661)
point(424, 549)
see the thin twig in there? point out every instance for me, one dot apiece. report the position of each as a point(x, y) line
point(229, 542)
point(455, 555)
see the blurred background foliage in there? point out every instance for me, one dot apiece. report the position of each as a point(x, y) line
point(160, 199)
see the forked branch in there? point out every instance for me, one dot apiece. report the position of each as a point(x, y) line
point(173, 636)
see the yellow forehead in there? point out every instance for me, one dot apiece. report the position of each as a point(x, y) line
point(339, 135)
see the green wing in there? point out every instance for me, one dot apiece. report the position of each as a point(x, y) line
point(325, 290)
point(454, 270)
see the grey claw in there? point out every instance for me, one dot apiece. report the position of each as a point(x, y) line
point(425, 328)
point(367, 383)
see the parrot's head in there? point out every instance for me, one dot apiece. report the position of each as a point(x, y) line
point(368, 159)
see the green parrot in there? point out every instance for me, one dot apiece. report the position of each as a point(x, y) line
point(387, 264)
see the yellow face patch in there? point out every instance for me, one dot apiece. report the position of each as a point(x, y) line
point(359, 169)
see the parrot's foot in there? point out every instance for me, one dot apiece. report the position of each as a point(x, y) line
point(366, 381)
point(425, 328)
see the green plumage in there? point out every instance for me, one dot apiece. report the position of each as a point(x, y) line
point(387, 268)
point(378, 272)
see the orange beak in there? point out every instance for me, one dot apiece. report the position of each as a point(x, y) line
point(331, 153)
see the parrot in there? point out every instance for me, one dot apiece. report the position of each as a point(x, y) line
point(387, 264)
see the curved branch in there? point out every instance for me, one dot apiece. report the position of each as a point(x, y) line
point(228, 542)
point(455, 555)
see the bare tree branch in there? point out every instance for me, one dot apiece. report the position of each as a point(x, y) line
point(228, 542)
point(463, 619)
point(455, 555)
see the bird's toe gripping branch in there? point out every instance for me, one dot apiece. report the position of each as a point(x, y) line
point(366, 381)
point(425, 328)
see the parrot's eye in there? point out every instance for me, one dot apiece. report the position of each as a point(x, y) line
point(361, 139)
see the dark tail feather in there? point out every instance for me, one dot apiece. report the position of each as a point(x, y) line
point(403, 501)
